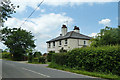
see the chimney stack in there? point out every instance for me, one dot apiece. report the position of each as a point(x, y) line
point(76, 29)
point(64, 30)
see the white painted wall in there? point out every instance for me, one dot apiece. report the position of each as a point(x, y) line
point(71, 44)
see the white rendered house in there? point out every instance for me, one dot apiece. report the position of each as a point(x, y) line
point(68, 40)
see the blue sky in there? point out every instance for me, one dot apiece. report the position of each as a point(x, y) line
point(46, 22)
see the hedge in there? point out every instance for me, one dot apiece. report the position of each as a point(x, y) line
point(6, 55)
point(60, 58)
point(101, 59)
point(49, 57)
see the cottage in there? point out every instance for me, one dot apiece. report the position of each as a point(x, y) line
point(68, 40)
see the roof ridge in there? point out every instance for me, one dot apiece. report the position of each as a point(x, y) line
point(85, 35)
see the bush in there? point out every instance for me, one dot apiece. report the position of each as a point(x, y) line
point(30, 58)
point(36, 60)
point(49, 57)
point(42, 59)
point(101, 59)
point(6, 55)
point(60, 58)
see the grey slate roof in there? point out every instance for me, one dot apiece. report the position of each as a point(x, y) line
point(71, 34)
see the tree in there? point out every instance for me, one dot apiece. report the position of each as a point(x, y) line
point(6, 9)
point(107, 36)
point(18, 41)
point(37, 54)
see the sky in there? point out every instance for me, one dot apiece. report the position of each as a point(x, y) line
point(89, 15)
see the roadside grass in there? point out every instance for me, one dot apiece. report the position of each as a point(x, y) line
point(0, 55)
point(7, 59)
point(39, 63)
point(94, 74)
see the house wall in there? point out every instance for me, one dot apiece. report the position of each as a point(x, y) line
point(71, 44)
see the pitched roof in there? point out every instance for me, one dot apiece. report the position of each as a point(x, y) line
point(71, 34)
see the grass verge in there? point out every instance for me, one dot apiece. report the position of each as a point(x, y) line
point(94, 74)
point(39, 63)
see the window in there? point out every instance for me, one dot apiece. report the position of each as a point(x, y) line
point(66, 41)
point(84, 42)
point(49, 45)
point(54, 44)
point(59, 42)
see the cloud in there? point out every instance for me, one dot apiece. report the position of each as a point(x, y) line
point(44, 27)
point(43, 23)
point(42, 10)
point(2, 46)
point(34, 3)
point(105, 22)
point(93, 34)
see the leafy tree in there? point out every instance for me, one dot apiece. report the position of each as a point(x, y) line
point(37, 54)
point(107, 36)
point(6, 9)
point(18, 41)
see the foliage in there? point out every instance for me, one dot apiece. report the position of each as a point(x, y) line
point(6, 55)
point(35, 60)
point(6, 9)
point(18, 41)
point(95, 74)
point(60, 58)
point(107, 36)
point(37, 54)
point(101, 59)
point(49, 57)
point(42, 59)
point(30, 58)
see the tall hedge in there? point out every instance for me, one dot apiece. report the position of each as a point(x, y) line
point(49, 57)
point(101, 59)
point(60, 58)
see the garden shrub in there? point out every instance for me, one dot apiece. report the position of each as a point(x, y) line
point(30, 58)
point(35, 60)
point(49, 57)
point(42, 59)
point(60, 58)
point(6, 55)
point(101, 59)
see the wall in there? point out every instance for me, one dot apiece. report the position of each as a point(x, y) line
point(71, 44)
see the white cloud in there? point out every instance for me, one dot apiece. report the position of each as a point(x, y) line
point(93, 34)
point(105, 22)
point(42, 10)
point(44, 23)
point(43, 27)
point(34, 3)
point(2, 46)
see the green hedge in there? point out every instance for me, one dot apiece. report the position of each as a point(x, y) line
point(60, 58)
point(42, 59)
point(49, 57)
point(101, 59)
point(6, 55)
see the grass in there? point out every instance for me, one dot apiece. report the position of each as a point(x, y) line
point(7, 59)
point(94, 74)
point(39, 63)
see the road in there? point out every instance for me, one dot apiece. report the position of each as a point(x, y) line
point(12, 69)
